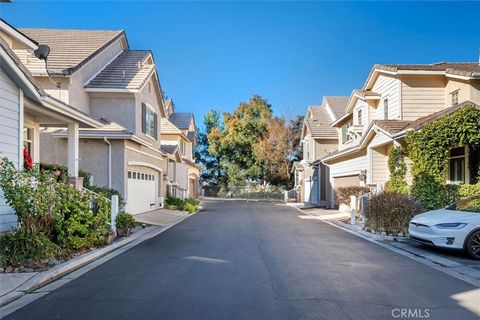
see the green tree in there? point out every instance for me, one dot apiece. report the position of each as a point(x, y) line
point(236, 141)
point(212, 171)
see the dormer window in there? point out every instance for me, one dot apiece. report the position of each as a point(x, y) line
point(454, 96)
point(359, 117)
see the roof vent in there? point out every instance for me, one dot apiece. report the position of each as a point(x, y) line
point(439, 63)
point(123, 73)
point(139, 65)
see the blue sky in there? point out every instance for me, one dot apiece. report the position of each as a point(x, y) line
point(216, 54)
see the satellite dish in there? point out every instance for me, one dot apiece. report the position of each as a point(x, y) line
point(42, 52)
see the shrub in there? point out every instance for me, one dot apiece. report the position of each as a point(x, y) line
point(53, 167)
point(434, 194)
point(68, 218)
point(124, 220)
point(469, 190)
point(106, 192)
point(26, 245)
point(83, 218)
point(391, 212)
point(342, 194)
point(174, 203)
point(191, 205)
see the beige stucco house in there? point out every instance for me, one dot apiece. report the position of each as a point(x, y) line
point(312, 181)
point(394, 100)
point(98, 73)
point(179, 136)
point(25, 107)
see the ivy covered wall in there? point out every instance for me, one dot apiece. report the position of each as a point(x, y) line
point(429, 150)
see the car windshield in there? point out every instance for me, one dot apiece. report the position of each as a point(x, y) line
point(471, 204)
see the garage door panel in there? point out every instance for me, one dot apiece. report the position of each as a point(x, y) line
point(141, 191)
point(346, 181)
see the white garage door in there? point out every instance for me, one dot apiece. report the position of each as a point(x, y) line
point(141, 191)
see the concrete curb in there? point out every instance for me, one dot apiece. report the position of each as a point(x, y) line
point(76, 264)
point(450, 267)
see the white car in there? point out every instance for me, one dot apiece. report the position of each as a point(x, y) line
point(455, 227)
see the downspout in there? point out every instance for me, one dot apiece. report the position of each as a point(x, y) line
point(109, 162)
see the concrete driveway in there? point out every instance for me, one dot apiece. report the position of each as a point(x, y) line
point(255, 260)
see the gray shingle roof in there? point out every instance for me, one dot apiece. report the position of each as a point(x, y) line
point(128, 71)
point(319, 126)
point(70, 49)
point(169, 148)
point(181, 120)
point(338, 104)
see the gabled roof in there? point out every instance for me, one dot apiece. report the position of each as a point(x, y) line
point(34, 90)
point(129, 71)
point(390, 126)
point(181, 120)
point(398, 128)
point(319, 125)
point(467, 69)
point(70, 49)
point(15, 33)
point(338, 104)
point(366, 94)
point(9, 52)
point(168, 127)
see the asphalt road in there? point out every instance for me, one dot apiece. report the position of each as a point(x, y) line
point(249, 260)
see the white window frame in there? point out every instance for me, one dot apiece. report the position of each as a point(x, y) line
point(464, 169)
point(150, 121)
point(359, 116)
point(454, 97)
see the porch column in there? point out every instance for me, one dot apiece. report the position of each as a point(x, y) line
point(73, 154)
point(36, 143)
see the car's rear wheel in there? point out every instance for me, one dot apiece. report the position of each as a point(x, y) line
point(473, 245)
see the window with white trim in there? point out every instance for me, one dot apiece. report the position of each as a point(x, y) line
point(454, 96)
point(346, 136)
point(182, 147)
point(359, 116)
point(385, 109)
point(456, 165)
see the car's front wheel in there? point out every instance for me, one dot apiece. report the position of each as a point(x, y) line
point(473, 245)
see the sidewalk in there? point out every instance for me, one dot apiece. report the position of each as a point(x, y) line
point(15, 285)
point(160, 217)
